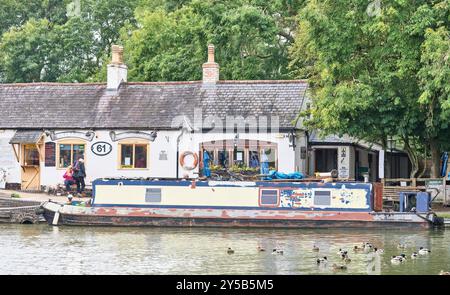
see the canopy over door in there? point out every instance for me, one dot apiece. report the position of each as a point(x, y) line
point(27, 147)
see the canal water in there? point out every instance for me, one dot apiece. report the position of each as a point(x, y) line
point(43, 249)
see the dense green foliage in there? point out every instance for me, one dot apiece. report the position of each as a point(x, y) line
point(164, 40)
point(378, 75)
point(376, 68)
point(43, 41)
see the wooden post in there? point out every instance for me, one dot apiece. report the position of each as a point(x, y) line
point(444, 184)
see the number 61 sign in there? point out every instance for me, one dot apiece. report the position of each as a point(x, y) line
point(101, 148)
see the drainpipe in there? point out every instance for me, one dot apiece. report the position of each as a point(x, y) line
point(178, 153)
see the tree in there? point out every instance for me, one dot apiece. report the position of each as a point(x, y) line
point(364, 70)
point(14, 13)
point(434, 81)
point(170, 41)
point(56, 47)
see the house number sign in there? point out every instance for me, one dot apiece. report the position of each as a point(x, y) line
point(101, 148)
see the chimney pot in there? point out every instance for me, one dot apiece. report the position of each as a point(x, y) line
point(117, 54)
point(210, 53)
point(210, 68)
point(117, 70)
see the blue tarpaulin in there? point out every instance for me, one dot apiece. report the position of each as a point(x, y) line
point(273, 174)
point(444, 159)
point(206, 159)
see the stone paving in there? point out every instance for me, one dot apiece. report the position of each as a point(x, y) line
point(40, 197)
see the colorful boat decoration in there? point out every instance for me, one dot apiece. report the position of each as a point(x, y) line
point(138, 202)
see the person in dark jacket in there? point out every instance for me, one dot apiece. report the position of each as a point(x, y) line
point(79, 175)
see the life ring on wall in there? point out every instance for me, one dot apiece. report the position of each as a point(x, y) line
point(184, 155)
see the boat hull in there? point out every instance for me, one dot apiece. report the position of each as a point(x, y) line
point(176, 217)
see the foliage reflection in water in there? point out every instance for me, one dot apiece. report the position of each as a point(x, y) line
point(42, 249)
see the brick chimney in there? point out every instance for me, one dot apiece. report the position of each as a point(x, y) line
point(117, 70)
point(210, 68)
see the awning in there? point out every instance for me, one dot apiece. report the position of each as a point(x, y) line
point(26, 136)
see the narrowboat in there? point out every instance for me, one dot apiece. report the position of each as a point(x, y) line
point(268, 204)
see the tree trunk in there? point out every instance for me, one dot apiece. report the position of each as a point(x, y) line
point(413, 158)
point(435, 159)
point(424, 163)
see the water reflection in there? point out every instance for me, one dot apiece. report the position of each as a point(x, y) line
point(43, 249)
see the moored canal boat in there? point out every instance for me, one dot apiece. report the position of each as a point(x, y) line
point(138, 202)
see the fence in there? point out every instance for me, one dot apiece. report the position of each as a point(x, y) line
point(438, 188)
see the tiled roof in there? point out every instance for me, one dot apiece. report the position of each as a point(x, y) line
point(144, 105)
point(26, 136)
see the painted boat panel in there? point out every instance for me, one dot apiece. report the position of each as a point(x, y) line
point(230, 204)
point(228, 195)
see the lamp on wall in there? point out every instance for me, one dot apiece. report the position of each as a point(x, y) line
point(391, 143)
point(236, 140)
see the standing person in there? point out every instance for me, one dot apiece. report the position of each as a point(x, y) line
point(68, 178)
point(79, 175)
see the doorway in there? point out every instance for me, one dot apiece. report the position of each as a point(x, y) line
point(326, 160)
point(30, 167)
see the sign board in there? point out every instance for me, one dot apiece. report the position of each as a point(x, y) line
point(50, 154)
point(343, 162)
point(433, 182)
point(101, 148)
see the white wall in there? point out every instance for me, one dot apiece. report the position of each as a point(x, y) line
point(7, 157)
point(107, 166)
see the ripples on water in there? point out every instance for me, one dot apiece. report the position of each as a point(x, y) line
point(43, 249)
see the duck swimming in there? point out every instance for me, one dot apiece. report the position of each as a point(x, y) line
point(397, 259)
point(414, 255)
point(277, 251)
point(339, 267)
point(444, 273)
point(342, 252)
point(323, 260)
point(346, 258)
point(315, 248)
point(261, 249)
point(230, 251)
point(423, 251)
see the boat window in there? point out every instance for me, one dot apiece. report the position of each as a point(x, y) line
point(322, 198)
point(268, 197)
point(153, 195)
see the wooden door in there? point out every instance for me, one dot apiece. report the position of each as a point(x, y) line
point(31, 178)
point(30, 167)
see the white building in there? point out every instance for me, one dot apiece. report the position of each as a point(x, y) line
point(125, 129)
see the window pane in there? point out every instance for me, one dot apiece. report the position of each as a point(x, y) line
point(153, 195)
point(31, 156)
point(141, 156)
point(78, 152)
point(239, 158)
point(269, 197)
point(126, 157)
point(64, 155)
point(269, 155)
point(223, 158)
point(322, 198)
